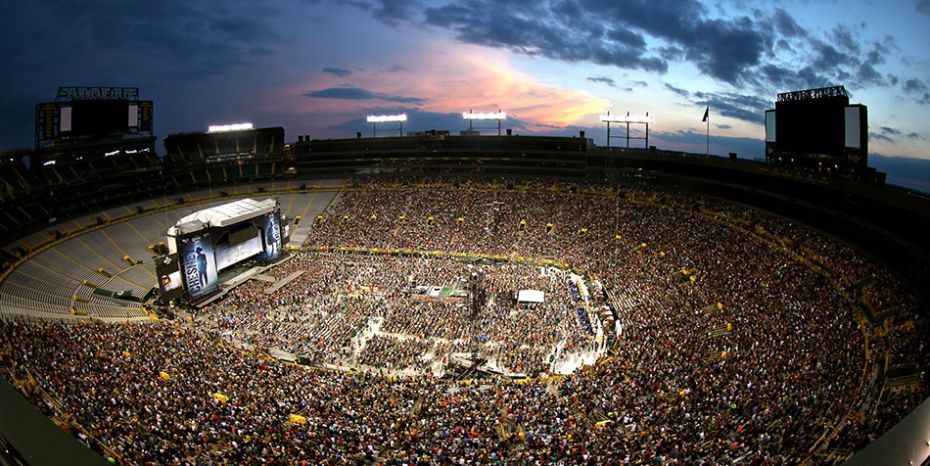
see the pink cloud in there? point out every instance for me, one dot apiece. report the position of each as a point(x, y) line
point(472, 78)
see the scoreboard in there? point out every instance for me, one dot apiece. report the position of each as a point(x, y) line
point(80, 113)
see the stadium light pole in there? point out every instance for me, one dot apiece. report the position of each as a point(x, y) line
point(375, 119)
point(643, 120)
point(471, 117)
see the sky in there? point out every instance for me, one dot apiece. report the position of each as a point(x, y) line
point(318, 67)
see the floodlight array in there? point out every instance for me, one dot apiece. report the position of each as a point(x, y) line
point(387, 118)
point(627, 119)
point(227, 128)
point(485, 116)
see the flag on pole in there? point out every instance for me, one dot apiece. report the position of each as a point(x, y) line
point(706, 114)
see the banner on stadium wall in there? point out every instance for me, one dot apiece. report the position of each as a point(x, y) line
point(198, 263)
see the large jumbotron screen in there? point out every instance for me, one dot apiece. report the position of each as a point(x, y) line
point(812, 126)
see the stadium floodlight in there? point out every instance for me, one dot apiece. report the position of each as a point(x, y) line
point(627, 120)
point(387, 118)
point(499, 115)
point(227, 128)
point(375, 119)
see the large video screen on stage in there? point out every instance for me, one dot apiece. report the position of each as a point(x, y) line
point(271, 234)
point(198, 263)
point(228, 253)
point(169, 276)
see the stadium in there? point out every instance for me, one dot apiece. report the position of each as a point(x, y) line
point(430, 298)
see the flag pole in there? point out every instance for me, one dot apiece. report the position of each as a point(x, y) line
point(707, 153)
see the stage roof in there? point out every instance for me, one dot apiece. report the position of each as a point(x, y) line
point(223, 215)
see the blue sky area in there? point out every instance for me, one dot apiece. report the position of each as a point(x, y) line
point(318, 67)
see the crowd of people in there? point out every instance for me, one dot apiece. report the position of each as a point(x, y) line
point(398, 300)
point(730, 349)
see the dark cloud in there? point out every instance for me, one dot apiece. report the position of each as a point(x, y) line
point(889, 130)
point(357, 93)
point(913, 136)
point(603, 80)
point(679, 91)
point(395, 12)
point(918, 90)
point(829, 57)
point(723, 126)
point(842, 35)
point(538, 31)
point(638, 83)
point(672, 53)
point(922, 6)
point(642, 34)
point(786, 25)
point(721, 48)
point(880, 137)
point(260, 51)
point(188, 39)
point(742, 107)
point(338, 72)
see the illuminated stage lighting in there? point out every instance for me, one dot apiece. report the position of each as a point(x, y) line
point(387, 118)
point(227, 128)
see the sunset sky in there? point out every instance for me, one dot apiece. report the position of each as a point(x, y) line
point(319, 67)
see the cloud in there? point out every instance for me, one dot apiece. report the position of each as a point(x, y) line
point(357, 93)
point(193, 40)
point(603, 80)
point(723, 126)
point(891, 131)
point(765, 51)
point(843, 36)
point(786, 25)
point(337, 72)
point(922, 6)
point(639, 83)
point(546, 32)
point(914, 136)
point(917, 89)
point(881, 137)
point(395, 12)
point(679, 91)
point(721, 48)
point(742, 107)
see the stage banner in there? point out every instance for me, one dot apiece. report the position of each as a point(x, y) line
point(198, 263)
point(271, 235)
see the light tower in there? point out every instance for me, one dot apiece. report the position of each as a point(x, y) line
point(375, 119)
point(646, 120)
point(471, 117)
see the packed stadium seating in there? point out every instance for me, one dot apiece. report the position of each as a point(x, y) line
point(629, 406)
